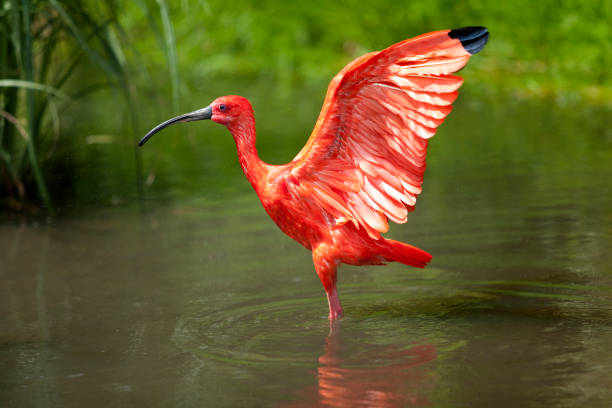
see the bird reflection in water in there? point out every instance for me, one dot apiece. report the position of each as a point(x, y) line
point(380, 376)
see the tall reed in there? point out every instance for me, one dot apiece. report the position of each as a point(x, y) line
point(42, 45)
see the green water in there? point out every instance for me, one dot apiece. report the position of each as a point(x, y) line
point(195, 298)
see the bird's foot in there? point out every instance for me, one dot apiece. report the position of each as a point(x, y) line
point(335, 314)
point(335, 309)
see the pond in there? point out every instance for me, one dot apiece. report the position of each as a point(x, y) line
point(195, 298)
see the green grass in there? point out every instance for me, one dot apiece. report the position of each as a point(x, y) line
point(43, 46)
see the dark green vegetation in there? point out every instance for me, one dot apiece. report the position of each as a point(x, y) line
point(53, 55)
point(82, 80)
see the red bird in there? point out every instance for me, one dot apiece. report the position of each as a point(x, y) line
point(365, 159)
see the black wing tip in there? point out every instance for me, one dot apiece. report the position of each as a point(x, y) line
point(473, 39)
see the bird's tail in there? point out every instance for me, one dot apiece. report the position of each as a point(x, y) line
point(404, 253)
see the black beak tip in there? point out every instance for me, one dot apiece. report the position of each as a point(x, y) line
point(143, 140)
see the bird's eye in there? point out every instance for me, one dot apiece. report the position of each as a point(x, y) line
point(222, 107)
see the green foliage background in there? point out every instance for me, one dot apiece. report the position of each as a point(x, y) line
point(537, 48)
point(125, 66)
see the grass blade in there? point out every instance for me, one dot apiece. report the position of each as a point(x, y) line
point(81, 40)
point(6, 156)
point(29, 74)
point(170, 51)
point(31, 85)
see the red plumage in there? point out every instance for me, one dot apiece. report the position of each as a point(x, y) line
point(364, 162)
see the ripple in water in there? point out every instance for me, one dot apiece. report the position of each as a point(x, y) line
point(265, 329)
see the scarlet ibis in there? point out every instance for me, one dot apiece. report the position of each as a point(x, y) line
point(364, 161)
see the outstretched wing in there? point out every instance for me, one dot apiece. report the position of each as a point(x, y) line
point(365, 159)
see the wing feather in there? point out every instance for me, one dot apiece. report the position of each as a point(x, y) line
point(365, 159)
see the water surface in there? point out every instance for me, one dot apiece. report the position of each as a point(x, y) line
point(195, 298)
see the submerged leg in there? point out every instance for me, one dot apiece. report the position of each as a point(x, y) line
point(326, 269)
point(335, 308)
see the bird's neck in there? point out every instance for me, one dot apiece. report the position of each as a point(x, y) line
point(244, 135)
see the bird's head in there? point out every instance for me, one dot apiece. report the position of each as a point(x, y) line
point(227, 110)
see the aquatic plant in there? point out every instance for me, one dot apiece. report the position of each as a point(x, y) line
point(43, 44)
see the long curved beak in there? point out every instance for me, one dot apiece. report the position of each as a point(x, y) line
point(200, 114)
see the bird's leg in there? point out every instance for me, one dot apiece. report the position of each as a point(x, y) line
point(326, 269)
point(335, 308)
